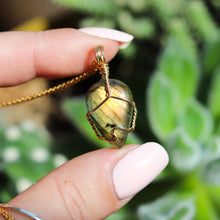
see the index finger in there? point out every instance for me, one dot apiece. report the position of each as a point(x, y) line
point(51, 54)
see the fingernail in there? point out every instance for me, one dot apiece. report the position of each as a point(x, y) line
point(122, 37)
point(138, 168)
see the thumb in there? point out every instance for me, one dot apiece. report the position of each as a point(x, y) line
point(94, 185)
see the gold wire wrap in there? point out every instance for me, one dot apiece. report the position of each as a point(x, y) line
point(103, 68)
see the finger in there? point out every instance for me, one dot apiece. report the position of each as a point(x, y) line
point(94, 185)
point(52, 54)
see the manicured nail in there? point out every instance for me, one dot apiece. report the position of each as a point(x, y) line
point(122, 37)
point(138, 168)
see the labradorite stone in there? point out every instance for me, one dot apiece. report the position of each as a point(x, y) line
point(112, 114)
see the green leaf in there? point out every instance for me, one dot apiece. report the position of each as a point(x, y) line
point(185, 153)
point(214, 95)
point(201, 20)
point(210, 175)
point(214, 192)
point(97, 22)
point(205, 207)
point(172, 206)
point(212, 56)
point(98, 7)
point(197, 121)
point(25, 154)
point(179, 65)
point(179, 33)
point(165, 9)
point(75, 108)
point(211, 172)
point(190, 202)
point(141, 27)
point(162, 106)
point(212, 148)
point(218, 129)
point(138, 6)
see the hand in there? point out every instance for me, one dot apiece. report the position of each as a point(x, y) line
point(96, 184)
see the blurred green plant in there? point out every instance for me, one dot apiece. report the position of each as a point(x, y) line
point(182, 97)
point(181, 104)
point(188, 129)
point(25, 156)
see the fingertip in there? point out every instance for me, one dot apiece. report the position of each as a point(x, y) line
point(68, 52)
point(138, 167)
point(96, 184)
point(50, 54)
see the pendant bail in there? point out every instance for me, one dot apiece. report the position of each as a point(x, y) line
point(103, 67)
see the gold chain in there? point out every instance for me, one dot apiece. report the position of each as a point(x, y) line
point(93, 68)
point(5, 214)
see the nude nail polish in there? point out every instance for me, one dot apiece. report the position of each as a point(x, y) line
point(122, 37)
point(138, 168)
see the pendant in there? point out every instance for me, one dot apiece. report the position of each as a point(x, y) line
point(111, 109)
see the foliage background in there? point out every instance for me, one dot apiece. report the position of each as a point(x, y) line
point(173, 70)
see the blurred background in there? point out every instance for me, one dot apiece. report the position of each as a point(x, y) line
point(173, 70)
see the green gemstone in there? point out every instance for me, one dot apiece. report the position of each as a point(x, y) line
point(110, 117)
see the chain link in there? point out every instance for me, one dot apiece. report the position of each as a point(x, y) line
point(5, 214)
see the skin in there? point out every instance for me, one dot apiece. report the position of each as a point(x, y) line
point(82, 188)
point(50, 54)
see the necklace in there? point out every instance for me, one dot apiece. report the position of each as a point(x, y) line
point(111, 110)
